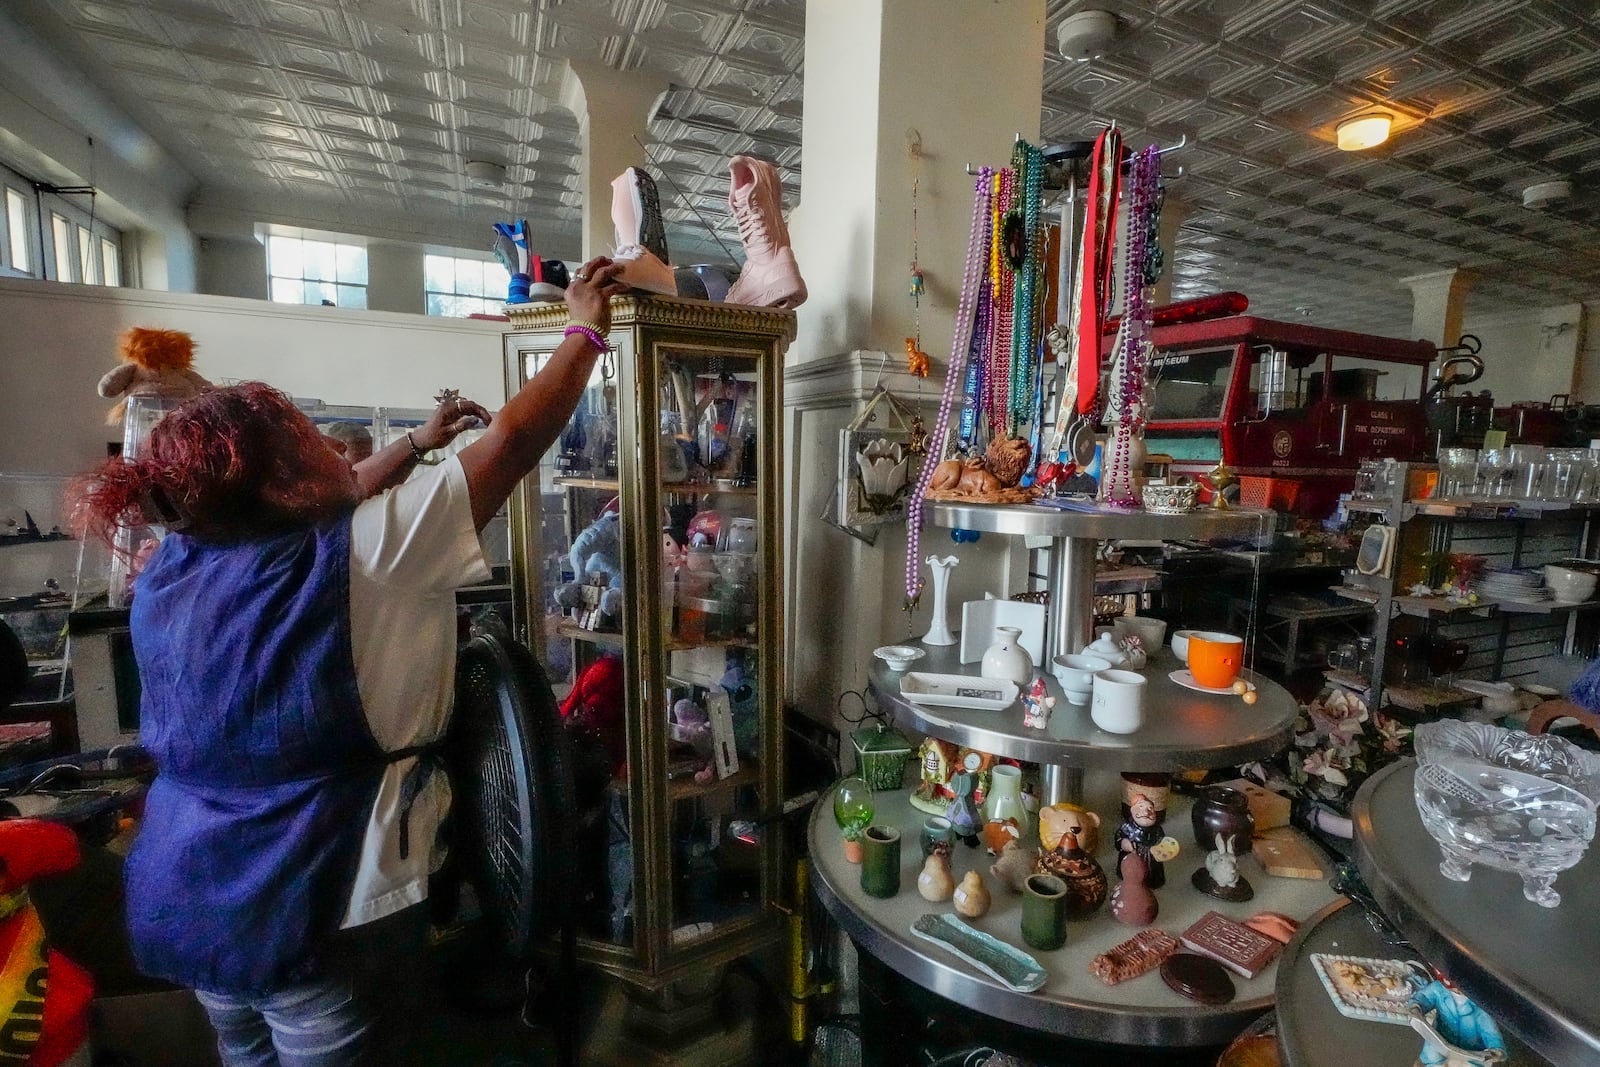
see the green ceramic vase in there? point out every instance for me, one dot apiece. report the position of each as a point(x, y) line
point(880, 861)
point(1044, 912)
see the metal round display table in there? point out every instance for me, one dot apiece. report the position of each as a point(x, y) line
point(1532, 968)
point(1183, 727)
point(1142, 1011)
point(1312, 1032)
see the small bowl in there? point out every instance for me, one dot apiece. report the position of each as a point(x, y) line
point(1151, 632)
point(898, 657)
point(1568, 586)
point(1180, 644)
point(1171, 499)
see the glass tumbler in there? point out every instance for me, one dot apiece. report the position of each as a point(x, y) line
point(1458, 473)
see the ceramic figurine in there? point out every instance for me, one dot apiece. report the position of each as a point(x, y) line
point(971, 896)
point(1220, 876)
point(935, 882)
point(1002, 798)
point(1131, 900)
point(1036, 705)
point(1015, 864)
point(935, 763)
point(963, 809)
point(1455, 1031)
point(1141, 832)
point(1085, 879)
point(998, 833)
point(1068, 818)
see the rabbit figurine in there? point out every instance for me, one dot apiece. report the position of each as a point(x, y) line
point(1220, 876)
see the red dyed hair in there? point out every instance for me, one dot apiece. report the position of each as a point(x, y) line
point(231, 463)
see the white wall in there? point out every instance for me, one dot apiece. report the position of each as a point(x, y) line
point(1528, 354)
point(59, 339)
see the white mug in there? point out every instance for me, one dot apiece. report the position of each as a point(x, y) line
point(1076, 675)
point(1180, 644)
point(1117, 706)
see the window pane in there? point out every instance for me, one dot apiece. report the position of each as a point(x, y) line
point(496, 280)
point(284, 256)
point(352, 264)
point(110, 263)
point(319, 261)
point(438, 304)
point(86, 260)
point(287, 291)
point(17, 221)
point(352, 296)
point(439, 274)
point(61, 232)
point(469, 277)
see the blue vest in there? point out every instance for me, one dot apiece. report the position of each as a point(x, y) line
point(268, 771)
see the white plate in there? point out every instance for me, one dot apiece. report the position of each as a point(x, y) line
point(980, 617)
point(1186, 679)
point(958, 691)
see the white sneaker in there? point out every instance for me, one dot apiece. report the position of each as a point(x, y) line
point(771, 277)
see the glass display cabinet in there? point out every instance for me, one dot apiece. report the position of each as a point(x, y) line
point(647, 575)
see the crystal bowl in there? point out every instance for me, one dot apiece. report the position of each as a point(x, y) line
point(1507, 800)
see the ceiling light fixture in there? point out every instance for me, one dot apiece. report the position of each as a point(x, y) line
point(1364, 131)
point(483, 172)
point(1541, 193)
point(1083, 36)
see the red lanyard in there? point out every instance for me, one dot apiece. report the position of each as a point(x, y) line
point(1099, 231)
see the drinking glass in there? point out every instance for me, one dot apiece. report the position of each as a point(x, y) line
point(1494, 473)
point(1458, 473)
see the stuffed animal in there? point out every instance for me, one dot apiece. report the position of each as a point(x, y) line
point(594, 707)
point(597, 550)
point(154, 363)
point(739, 679)
point(44, 997)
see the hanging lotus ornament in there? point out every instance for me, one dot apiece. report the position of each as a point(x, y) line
point(883, 466)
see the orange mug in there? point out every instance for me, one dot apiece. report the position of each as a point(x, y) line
point(1215, 659)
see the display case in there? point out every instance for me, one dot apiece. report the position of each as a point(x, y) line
point(38, 571)
point(647, 575)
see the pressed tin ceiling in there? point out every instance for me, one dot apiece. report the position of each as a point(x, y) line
point(361, 100)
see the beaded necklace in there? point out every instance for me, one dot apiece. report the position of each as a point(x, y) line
point(1029, 164)
point(973, 380)
point(1126, 404)
point(1003, 281)
point(954, 374)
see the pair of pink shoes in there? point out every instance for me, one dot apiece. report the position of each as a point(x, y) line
point(770, 278)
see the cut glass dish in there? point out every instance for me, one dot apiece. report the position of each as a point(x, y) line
point(1506, 799)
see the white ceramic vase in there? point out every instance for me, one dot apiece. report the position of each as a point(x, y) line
point(1006, 658)
point(939, 632)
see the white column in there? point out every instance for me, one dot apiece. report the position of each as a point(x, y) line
point(612, 107)
point(1438, 300)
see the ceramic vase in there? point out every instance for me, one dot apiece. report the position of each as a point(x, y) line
point(1044, 912)
point(1004, 799)
point(971, 897)
point(880, 865)
point(935, 883)
point(1225, 812)
point(939, 632)
point(1006, 658)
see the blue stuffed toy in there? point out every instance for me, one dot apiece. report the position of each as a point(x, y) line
point(597, 550)
point(739, 679)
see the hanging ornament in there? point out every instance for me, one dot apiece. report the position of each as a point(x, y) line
point(918, 286)
point(917, 361)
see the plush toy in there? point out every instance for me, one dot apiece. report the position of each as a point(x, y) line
point(739, 679)
point(154, 363)
point(595, 707)
point(44, 997)
point(597, 550)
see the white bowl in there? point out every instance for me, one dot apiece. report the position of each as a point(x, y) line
point(1180, 644)
point(1076, 675)
point(1568, 586)
point(1151, 632)
point(898, 657)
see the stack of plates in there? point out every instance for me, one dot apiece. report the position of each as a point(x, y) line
point(1523, 587)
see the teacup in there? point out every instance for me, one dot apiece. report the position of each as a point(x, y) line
point(1076, 675)
point(1215, 658)
point(1180, 644)
point(1117, 706)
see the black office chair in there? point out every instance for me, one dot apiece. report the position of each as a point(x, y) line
point(511, 773)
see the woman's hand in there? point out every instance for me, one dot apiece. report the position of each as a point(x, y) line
point(447, 421)
point(590, 291)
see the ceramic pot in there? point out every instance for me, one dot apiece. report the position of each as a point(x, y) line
point(1004, 799)
point(935, 883)
point(1084, 878)
point(936, 834)
point(1154, 785)
point(1006, 658)
point(880, 861)
point(853, 851)
point(971, 898)
point(1044, 912)
point(1224, 811)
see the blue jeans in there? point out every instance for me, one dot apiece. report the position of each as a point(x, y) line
point(352, 1014)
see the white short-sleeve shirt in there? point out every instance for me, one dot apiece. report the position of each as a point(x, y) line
point(411, 548)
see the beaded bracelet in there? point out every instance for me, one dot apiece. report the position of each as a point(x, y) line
point(417, 454)
point(595, 336)
point(595, 326)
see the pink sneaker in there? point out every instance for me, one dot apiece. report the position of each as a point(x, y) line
point(641, 237)
point(771, 277)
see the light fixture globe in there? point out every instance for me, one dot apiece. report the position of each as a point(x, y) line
point(1364, 131)
point(485, 172)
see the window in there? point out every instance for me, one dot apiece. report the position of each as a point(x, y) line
point(305, 271)
point(110, 263)
point(14, 249)
point(61, 231)
point(1190, 386)
point(459, 287)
